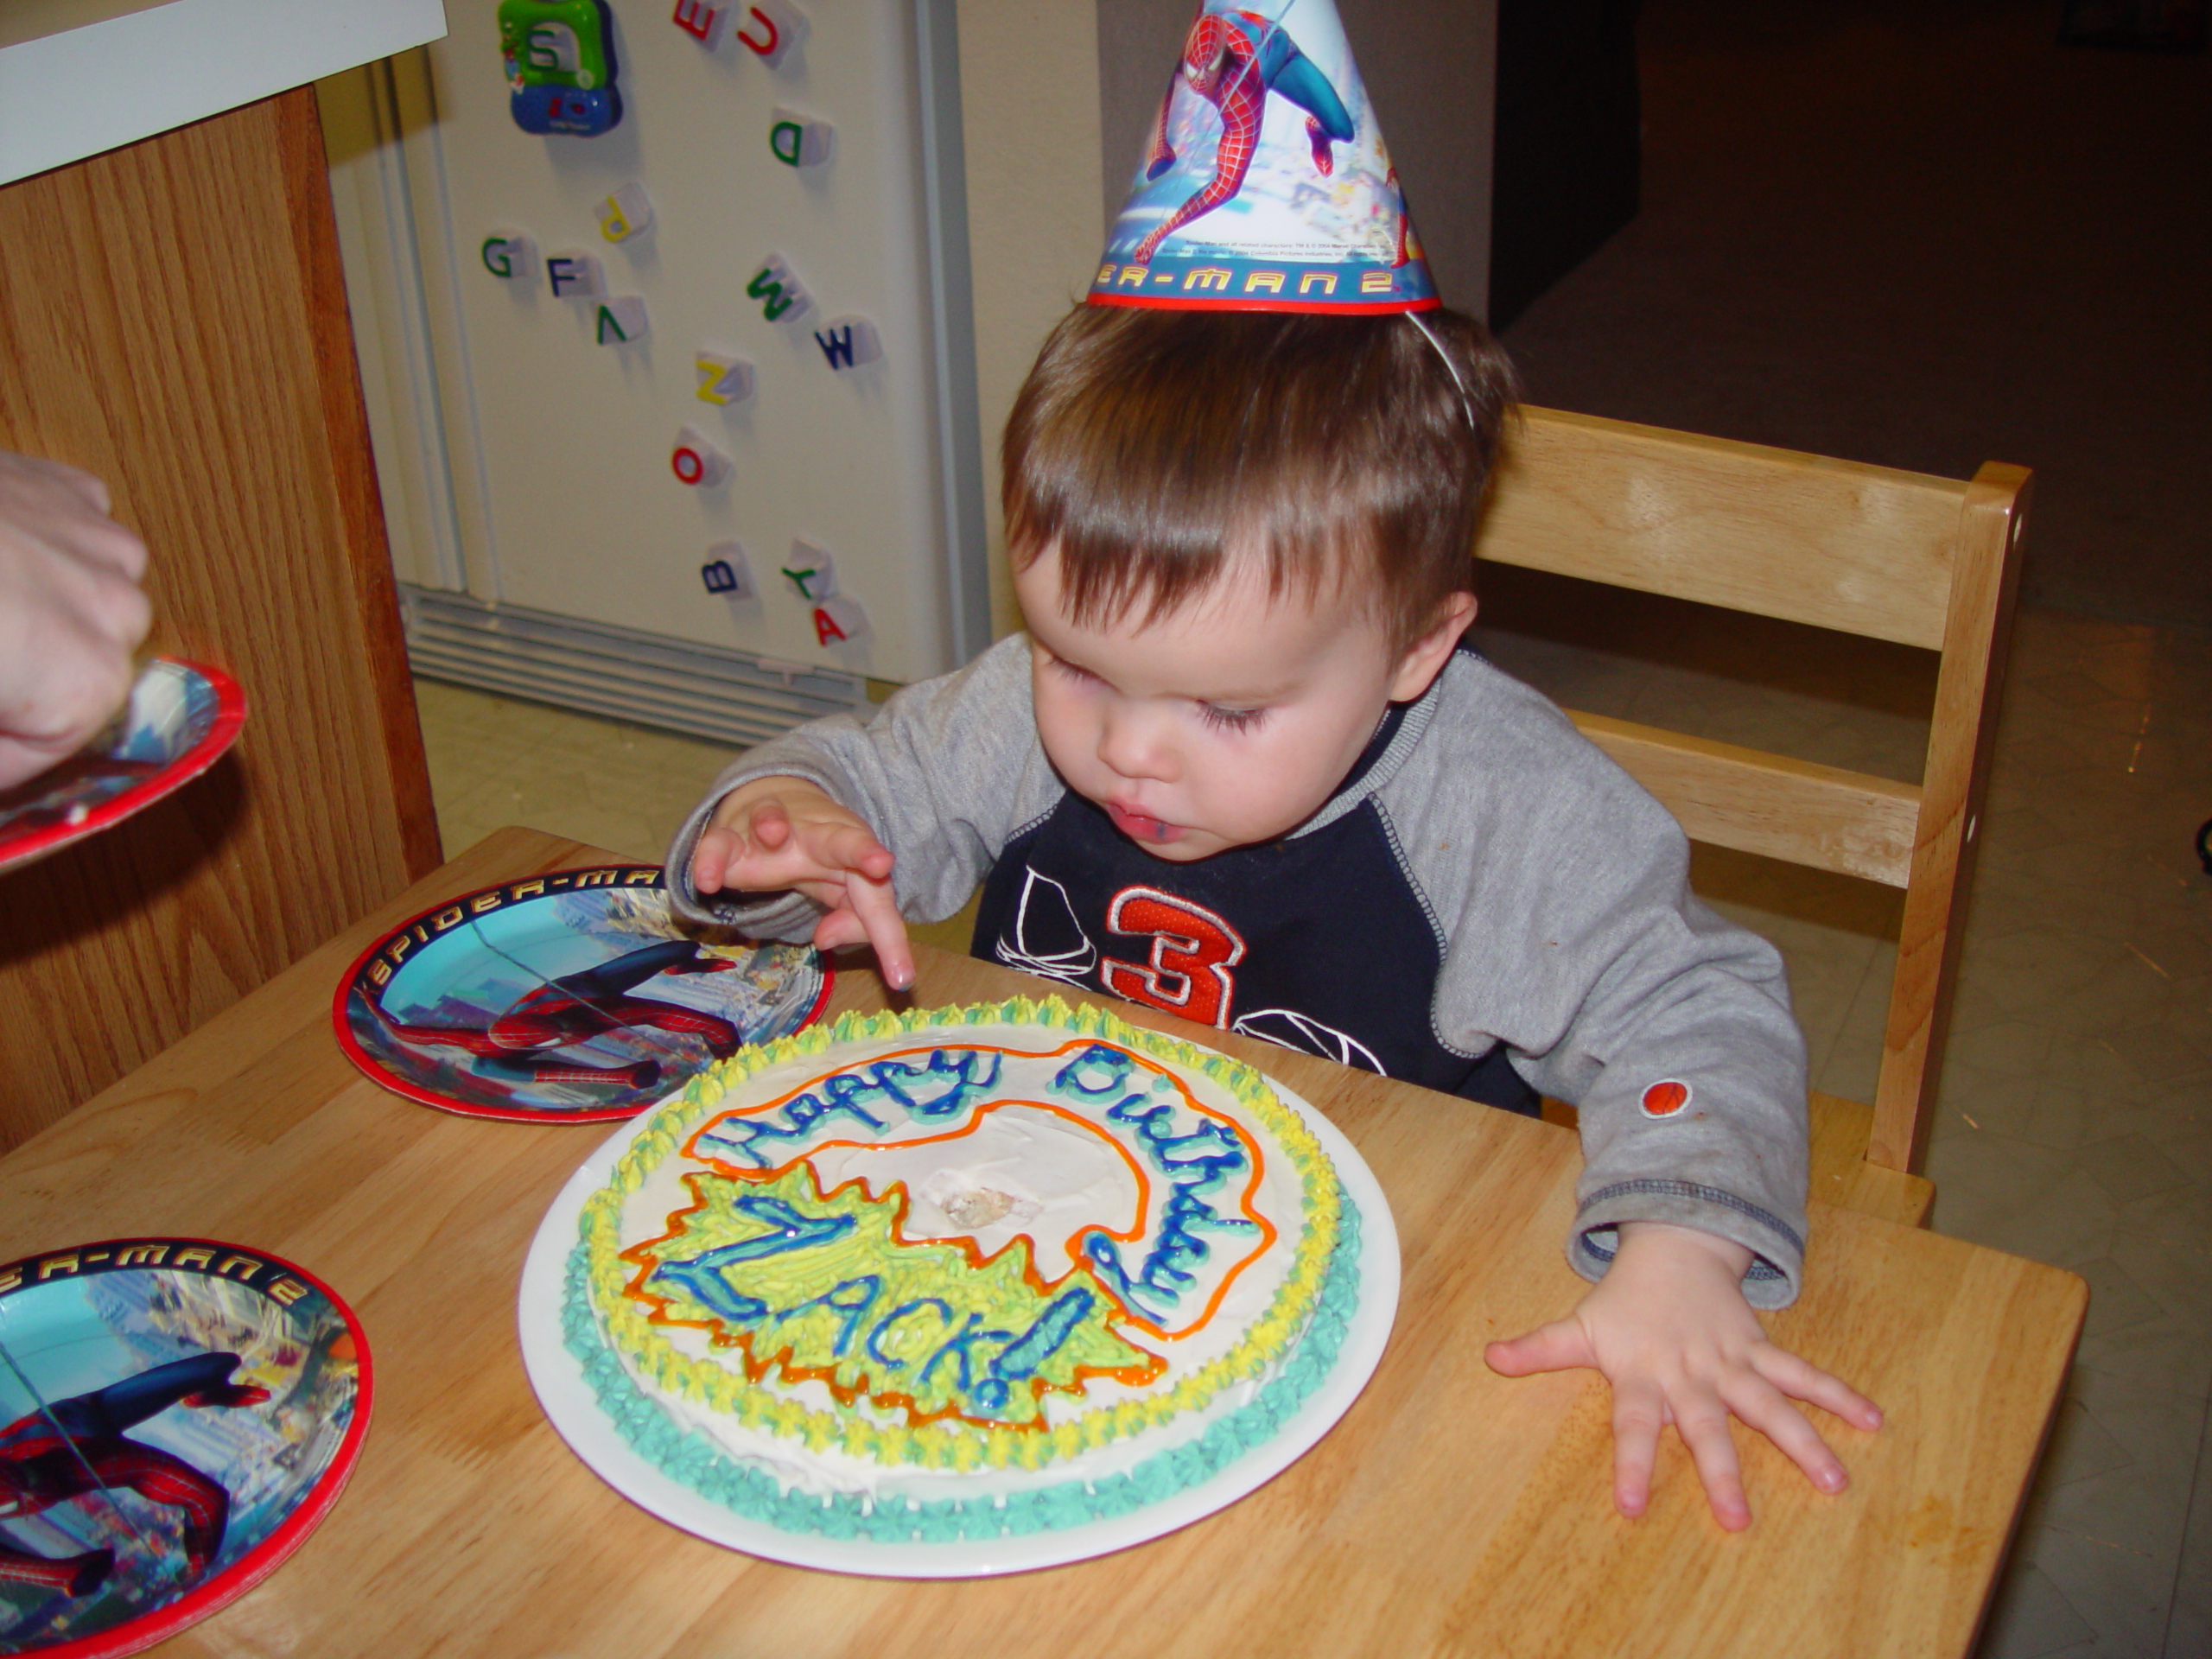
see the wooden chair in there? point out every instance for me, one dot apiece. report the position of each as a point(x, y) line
point(1931, 563)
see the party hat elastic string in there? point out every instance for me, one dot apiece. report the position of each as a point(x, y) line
point(1466, 404)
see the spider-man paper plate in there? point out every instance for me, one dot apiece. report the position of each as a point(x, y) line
point(181, 716)
point(176, 1416)
point(571, 998)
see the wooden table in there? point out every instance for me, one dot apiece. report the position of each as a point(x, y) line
point(1451, 1511)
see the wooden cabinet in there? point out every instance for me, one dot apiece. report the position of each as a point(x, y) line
point(172, 317)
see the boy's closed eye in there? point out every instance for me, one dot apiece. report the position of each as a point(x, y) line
point(1219, 717)
point(1231, 720)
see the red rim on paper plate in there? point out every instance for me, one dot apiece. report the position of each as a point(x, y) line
point(573, 998)
point(231, 1386)
point(82, 797)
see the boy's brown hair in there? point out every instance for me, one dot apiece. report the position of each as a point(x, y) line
point(1146, 442)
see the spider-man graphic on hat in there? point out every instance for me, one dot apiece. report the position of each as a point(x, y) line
point(77, 1446)
point(1233, 60)
point(577, 1007)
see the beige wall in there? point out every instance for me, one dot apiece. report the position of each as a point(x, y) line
point(1029, 104)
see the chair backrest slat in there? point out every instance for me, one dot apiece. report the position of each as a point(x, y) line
point(1851, 822)
point(1864, 549)
point(1920, 561)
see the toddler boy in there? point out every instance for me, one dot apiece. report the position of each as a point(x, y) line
point(1243, 767)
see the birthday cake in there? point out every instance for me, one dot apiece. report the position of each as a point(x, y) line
point(960, 1274)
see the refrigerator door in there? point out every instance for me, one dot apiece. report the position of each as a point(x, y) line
point(688, 364)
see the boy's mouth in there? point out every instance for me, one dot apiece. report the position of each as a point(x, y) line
point(1140, 826)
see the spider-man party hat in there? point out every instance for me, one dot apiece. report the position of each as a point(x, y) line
point(1265, 185)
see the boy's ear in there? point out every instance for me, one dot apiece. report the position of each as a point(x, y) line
point(1425, 656)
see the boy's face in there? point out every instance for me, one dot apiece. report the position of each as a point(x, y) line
point(1225, 722)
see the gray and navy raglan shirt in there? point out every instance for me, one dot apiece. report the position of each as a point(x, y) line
point(1488, 906)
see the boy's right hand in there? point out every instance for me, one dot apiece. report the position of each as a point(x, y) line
point(779, 834)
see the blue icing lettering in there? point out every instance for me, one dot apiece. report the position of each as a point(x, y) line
point(713, 1291)
point(1098, 1057)
point(958, 1345)
point(869, 1286)
point(951, 1081)
point(789, 1230)
point(1019, 1360)
point(741, 1135)
point(1216, 1153)
point(1160, 1283)
point(1195, 1163)
point(875, 1336)
point(959, 1077)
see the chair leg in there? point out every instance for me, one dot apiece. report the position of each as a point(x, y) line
point(1842, 1177)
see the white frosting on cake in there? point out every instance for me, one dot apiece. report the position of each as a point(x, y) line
point(1035, 1152)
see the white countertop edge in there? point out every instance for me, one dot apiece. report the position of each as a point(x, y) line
point(87, 89)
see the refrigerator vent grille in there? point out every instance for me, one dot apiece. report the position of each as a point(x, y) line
point(730, 696)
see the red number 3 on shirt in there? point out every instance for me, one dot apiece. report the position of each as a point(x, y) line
point(1193, 951)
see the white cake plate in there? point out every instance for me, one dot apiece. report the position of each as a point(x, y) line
point(569, 1402)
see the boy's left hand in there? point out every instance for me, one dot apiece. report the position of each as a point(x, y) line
point(1670, 1329)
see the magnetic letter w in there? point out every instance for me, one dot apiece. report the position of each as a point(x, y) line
point(764, 287)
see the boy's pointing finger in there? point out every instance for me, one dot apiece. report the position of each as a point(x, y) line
point(878, 910)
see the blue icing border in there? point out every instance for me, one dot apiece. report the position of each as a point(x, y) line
point(689, 1456)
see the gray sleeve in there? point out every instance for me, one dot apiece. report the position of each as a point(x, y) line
point(1572, 936)
point(943, 773)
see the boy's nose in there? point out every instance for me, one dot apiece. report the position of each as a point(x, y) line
point(1132, 745)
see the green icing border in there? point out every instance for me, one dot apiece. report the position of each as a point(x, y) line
point(687, 1456)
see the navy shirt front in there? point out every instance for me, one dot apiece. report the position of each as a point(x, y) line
point(1318, 942)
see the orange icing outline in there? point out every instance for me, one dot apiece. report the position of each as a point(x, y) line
point(1257, 1158)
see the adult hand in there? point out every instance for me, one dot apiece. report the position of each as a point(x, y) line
point(775, 834)
point(1670, 1329)
point(71, 613)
